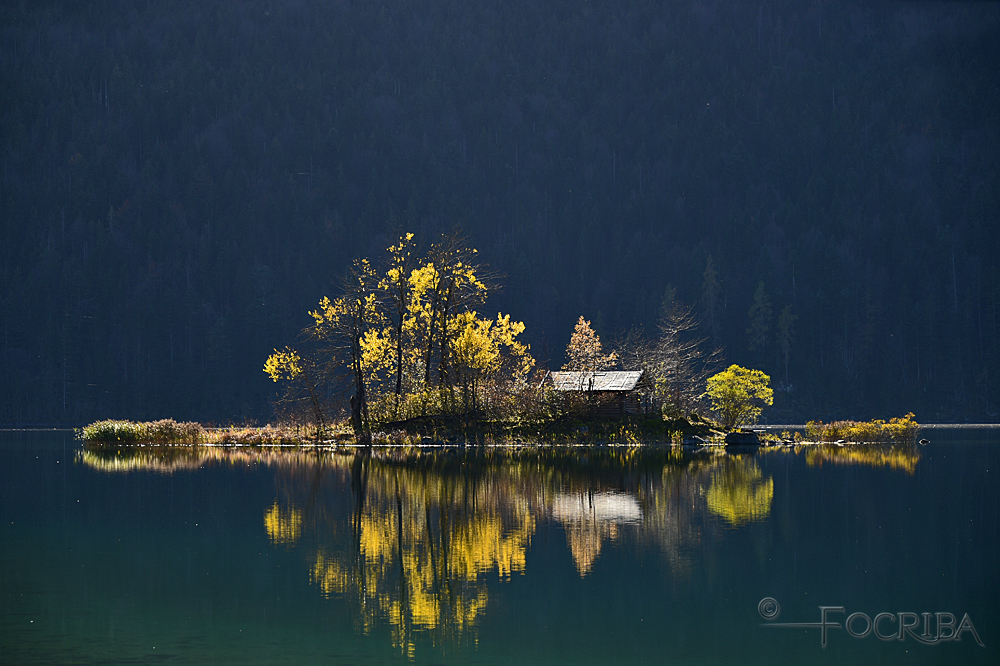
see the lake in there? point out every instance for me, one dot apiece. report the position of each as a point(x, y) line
point(446, 556)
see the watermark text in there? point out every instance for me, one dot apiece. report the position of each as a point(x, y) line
point(925, 628)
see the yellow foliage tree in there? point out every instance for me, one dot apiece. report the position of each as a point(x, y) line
point(389, 333)
point(398, 288)
point(737, 395)
point(483, 349)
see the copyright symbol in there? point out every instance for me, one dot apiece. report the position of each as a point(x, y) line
point(768, 608)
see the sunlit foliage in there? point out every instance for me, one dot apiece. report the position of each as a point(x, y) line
point(737, 395)
point(901, 430)
point(409, 342)
point(285, 364)
point(166, 431)
point(585, 352)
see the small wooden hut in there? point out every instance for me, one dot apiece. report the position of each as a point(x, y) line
point(611, 393)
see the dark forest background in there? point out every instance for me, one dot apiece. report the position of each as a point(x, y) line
point(181, 181)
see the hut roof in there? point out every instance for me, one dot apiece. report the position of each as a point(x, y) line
point(607, 380)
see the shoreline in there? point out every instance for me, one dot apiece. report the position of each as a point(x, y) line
point(938, 426)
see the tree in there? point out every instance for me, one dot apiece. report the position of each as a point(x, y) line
point(681, 365)
point(677, 362)
point(488, 351)
point(710, 298)
point(786, 334)
point(760, 318)
point(447, 283)
point(737, 395)
point(347, 330)
point(383, 335)
point(398, 290)
point(585, 352)
point(302, 379)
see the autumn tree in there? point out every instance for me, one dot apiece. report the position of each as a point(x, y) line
point(738, 394)
point(348, 331)
point(585, 352)
point(302, 379)
point(445, 284)
point(681, 361)
point(345, 347)
point(410, 333)
point(398, 289)
point(487, 351)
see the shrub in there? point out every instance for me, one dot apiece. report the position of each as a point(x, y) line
point(163, 432)
point(900, 430)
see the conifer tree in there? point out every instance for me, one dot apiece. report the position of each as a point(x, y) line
point(759, 318)
point(585, 352)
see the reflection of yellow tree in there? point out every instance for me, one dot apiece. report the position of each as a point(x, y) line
point(283, 527)
point(423, 547)
point(738, 492)
point(895, 457)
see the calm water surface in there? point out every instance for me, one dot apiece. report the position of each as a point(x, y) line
point(584, 556)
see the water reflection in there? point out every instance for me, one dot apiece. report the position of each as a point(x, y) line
point(417, 542)
point(423, 541)
point(283, 526)
point(172, 459)
point(590, 519)
point(903, 457)
point(427, 536)
point(739, 492)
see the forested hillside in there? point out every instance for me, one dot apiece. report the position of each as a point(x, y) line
point(181, 182)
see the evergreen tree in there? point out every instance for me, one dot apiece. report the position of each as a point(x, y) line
point(585, 352)
point(759, 317)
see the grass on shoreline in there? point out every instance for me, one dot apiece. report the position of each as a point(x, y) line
point(428, 430)
point(168, 432)
point(900, 430)
point(439, 430)
point(165, 432)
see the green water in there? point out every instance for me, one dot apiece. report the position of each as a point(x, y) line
point(582, 556)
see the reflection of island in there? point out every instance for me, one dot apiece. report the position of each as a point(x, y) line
point(901, 457)
point(426, 536)
point(171, 459)
point(416, 542)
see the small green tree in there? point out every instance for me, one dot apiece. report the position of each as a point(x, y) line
point(737, 395)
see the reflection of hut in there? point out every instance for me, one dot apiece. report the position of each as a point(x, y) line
point(592, 518)
point(612, 393)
